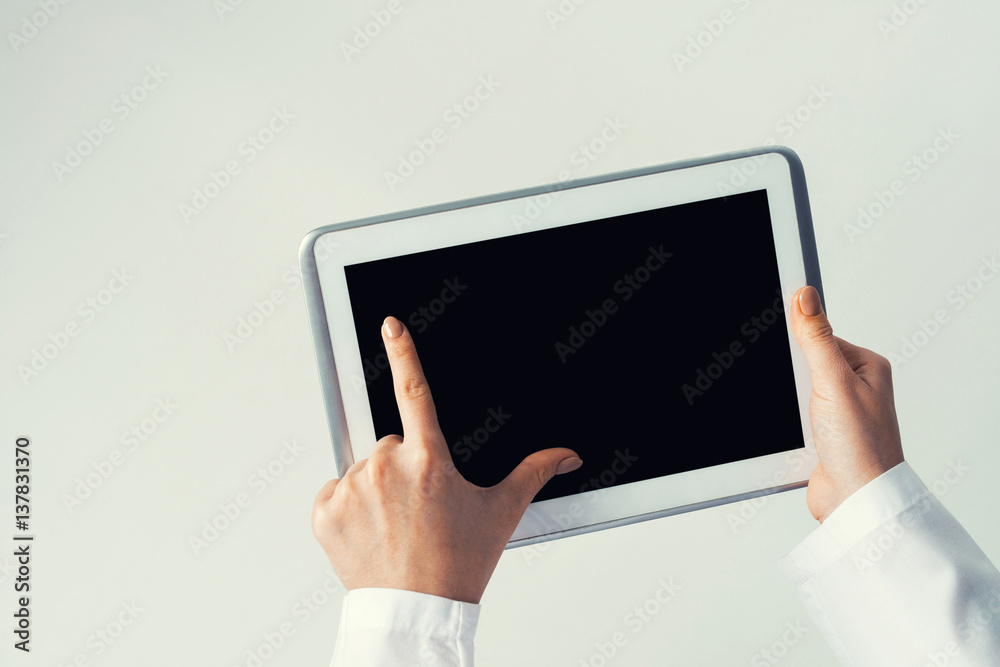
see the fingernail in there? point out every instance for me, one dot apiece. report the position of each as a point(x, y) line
point(393, 327)
point(568, 465)
point(809, 302)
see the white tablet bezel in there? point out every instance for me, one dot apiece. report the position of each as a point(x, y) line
point(326, 251)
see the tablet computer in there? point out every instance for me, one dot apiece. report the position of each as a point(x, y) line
point(639, 318)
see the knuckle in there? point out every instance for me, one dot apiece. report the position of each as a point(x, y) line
point(832, 377)
point(385, 445)
point(883, 365)
point(423, 463)
point(355, 467)
point(431, 474)
point(378, 467)
point(819, 332)
point(320, 521)
point(413, 389)
point(323, 520)
point(399, 351)
point(348, 483)
point(540, 477)
point(448, 468)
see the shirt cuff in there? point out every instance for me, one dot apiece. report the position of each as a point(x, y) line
point(880, 500)
point(408, 612)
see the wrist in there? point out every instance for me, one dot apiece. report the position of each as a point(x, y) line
point(866, 474)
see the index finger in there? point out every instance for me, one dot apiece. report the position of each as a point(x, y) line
point(413, 395)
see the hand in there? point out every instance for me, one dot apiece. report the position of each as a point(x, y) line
point(405, 518)
point(851, 409)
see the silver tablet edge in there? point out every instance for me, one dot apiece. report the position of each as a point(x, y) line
point(337, 422)
point(648, 516)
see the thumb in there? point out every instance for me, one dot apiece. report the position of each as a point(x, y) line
point(534, 472)
point(814, 333)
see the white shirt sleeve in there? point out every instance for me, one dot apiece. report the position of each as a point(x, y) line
point(892, 578)
point(383, 627)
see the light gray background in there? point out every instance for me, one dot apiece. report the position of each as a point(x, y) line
point(163, 336)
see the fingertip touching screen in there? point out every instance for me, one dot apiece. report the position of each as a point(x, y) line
point(650, 343)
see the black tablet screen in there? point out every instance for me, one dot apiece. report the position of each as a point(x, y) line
point(651, 343)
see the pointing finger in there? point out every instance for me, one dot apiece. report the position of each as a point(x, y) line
point(413, 395)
